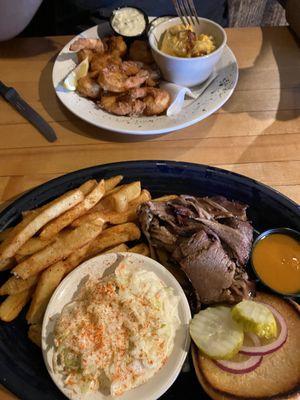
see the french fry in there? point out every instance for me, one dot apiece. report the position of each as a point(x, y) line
point(76, 258)
point(113, 190)
point(16, 285)
point(106, 202)
point(56, 225)
point(7, 263)
point(167, 197)
point(48, 282)
point(4, 234)
point(58, 250)
point(88, 186)
point(142, 198)
point(13, 304)
point(32, 246)
point(140, 248)
point(36, 244)
point(112, 237)
point(22, 233)
point(88, 217)
point(121, 198)
point(111, 183)
point(114, 217)
point(30, 214)
point(117, 249)
point(129, 215)
point(19, 258)
point(35, 334)
point(25, 213)
point(85, 188)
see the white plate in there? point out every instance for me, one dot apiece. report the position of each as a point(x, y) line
point(95, 267)
point(194, 110)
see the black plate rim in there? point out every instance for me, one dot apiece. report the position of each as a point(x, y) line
point(67, 178)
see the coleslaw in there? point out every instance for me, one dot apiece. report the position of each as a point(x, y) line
point(117, 333)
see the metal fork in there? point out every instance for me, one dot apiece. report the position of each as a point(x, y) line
point(186, 12)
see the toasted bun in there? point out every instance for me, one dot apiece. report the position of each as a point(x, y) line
point(277, 377)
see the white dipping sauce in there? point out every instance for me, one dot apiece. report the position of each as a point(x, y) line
point(128, 21)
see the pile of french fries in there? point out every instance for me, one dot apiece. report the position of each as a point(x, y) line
point(49, 242)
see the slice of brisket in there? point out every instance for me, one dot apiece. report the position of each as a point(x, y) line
point(206, 264)
point(236, 235)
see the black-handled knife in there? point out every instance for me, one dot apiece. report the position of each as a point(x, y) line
point(12, 96)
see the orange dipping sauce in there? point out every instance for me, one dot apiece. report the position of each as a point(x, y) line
point(276, 260)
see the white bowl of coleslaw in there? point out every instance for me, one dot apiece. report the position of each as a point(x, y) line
point(116, 327)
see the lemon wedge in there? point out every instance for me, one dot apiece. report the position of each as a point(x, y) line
point(80, 71)
point(255, 317)
point(216, 334)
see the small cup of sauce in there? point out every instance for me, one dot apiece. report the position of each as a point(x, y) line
point(130, 22)
point(275, 259)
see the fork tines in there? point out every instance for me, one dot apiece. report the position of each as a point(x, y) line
point(186, 11)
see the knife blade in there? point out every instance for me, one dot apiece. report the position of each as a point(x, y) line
point(13, 97)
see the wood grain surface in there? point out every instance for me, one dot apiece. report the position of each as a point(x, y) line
point(256, 133)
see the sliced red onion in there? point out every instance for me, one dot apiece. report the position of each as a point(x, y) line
point(269, 348)
point(244, 366)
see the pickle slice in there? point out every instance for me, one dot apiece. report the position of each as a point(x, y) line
point(216, 334)
point(256, 318)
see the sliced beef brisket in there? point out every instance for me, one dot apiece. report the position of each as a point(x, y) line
point(206, 264)
point(210, 238)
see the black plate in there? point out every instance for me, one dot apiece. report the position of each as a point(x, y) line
point(22, 368)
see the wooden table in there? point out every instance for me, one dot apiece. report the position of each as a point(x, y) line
point(256, 133)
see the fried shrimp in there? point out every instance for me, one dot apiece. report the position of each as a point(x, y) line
point(100, 61)
point(132, 68)
point(115, 45)
point(87, 87)
point(93, 74)
point(140, 51)
point(121, 78)
point(96, 45)
point(156, 100)
point(85, 53)
point(121, 87)
point(154, 75)
point(121, 104)
point(145, 100)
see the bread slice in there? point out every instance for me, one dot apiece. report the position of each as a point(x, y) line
point(277, 377)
